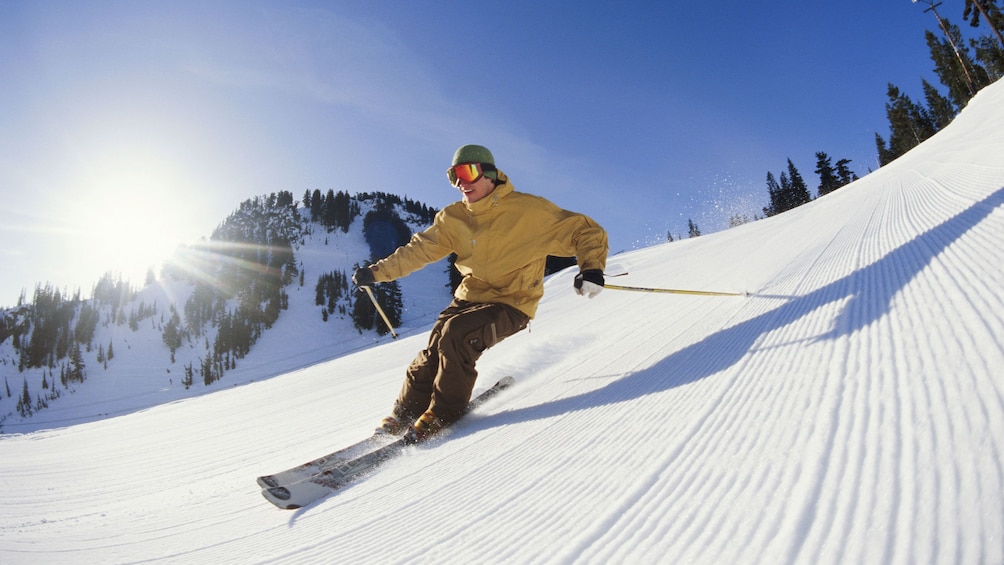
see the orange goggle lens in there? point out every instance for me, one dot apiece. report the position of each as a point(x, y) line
point(467, 172)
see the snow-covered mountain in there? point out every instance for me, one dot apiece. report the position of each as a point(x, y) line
point(126, 362)
point(850, 410)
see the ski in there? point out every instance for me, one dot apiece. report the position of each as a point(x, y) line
point(330, 479)
point(311, 468)
point(316, 479)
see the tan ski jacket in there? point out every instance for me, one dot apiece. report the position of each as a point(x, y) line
point(501, 242)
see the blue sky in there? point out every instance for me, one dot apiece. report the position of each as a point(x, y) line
point(130, 127)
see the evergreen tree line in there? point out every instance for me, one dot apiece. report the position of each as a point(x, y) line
point(962, 67)
point(55, 331)
point(960, 71)
point(239, 277)
point(792, 191)
point(332, 294)
point(417, 212)
point(242, 242)
point(694, 231)
point(332, 210)
point(52, 327)
point(72, 370)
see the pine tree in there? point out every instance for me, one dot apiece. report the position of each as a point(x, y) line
point(316, 206)
point(990, 55)
point(172, 334)
point(991, 14)
point(940, 109)
point(989, 49)
point(954, 67)
point(343, 214)
point(692, 229)
point(790, 193)
point(909, 125)
point(844, 173)
point(774, 192)
point(77, 366)
point(40, 403)
point(330, 212)
point(799, 191)
point(363, 314)
point(24, 401)
point(736, 220)
point(454, 274)
point(828, 178)
point(320, 290)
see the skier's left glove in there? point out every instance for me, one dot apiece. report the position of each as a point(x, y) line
point(363, 277)
point(589, 282)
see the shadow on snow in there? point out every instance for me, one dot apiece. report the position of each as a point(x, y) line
point(868, 293)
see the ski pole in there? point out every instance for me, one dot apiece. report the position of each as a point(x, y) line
point(674, 290)
point(373, 299)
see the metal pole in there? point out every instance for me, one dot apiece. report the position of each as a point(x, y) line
point(674, 290)
point(970, 83)
point(373, 299)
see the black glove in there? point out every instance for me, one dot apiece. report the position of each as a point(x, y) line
point(363, 277)
point(589, 282)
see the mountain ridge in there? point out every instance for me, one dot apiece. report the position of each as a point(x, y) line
point(246, 277)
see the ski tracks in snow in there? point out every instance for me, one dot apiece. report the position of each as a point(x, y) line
point(850, 410)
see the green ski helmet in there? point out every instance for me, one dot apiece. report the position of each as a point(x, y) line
point(476, 154)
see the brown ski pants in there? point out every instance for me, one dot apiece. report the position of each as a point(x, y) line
point(442, 376)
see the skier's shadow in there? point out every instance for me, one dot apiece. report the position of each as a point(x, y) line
point(868, 293)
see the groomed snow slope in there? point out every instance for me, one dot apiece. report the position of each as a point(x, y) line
point(850, 410)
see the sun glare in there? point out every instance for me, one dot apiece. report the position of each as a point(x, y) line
point(133, 240)
point(128, 219)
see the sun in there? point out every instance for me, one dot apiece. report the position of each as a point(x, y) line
point(127, 219)
point(136, 238)
point(128, 233)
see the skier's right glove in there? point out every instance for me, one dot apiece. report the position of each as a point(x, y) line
point(363, 277)
point(589, 282)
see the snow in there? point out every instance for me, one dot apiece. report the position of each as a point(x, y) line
point(850, 410)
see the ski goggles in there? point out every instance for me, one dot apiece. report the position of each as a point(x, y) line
point(468, 172)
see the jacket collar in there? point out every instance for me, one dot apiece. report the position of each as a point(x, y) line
point(492, 200)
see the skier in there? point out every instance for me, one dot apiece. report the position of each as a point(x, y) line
point(501, 238)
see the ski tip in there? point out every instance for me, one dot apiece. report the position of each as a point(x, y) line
point(506, 381)
point(282, 493)
point(279, 497)
point(267, 481)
